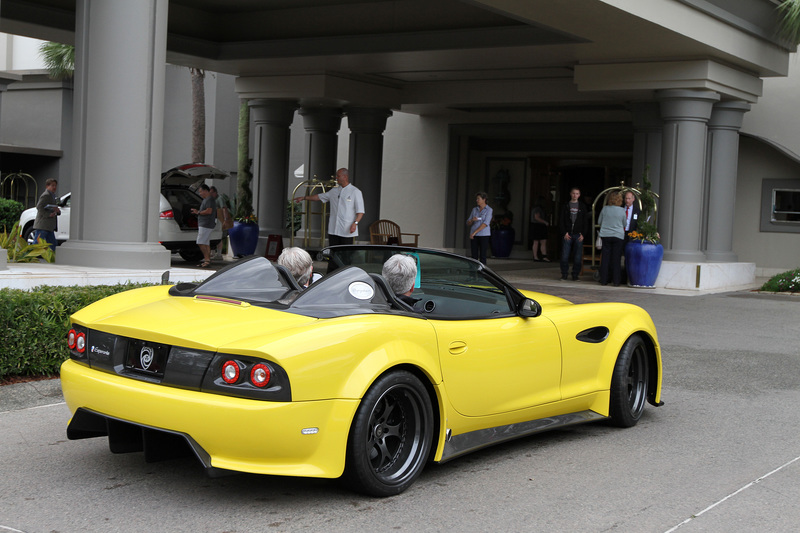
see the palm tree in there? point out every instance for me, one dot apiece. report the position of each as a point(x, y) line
point(59, 59)
point(198, 115)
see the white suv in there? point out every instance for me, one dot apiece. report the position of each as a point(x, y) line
point(177, 226)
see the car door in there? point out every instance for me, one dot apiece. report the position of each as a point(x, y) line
point(497, 365)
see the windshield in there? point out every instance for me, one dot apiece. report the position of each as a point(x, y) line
point(446, 286)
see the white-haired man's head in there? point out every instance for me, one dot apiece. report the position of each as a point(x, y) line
point(298, 262)
point(400, 271)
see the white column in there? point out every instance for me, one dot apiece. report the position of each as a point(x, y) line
point(366, 158)
point(272, 120)
point(120, 51)
point(680, 216)
point(723, 153)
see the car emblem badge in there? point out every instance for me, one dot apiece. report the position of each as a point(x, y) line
point(146, 357)
point(361, 290)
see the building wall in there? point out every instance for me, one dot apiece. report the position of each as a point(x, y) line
point(773, 117)
point(33, 111)
point(772, 252)
point(413, 189)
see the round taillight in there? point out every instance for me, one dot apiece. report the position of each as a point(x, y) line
point(230, 372)
point(80, 342)
point(71, 339)
point(260, 374)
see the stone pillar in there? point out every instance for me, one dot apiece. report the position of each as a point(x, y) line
point(685, 113)
point(322, 129)
point(117, 130)
point(647, 140)
point(271, 141)
point(366, 159)
point(723, 155)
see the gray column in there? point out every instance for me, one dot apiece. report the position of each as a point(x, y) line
point(271, 141)
point(647, 141)
point(322, 126)
point(120, 51)
point(685, 114)
point(322, 129)
point(723, 154)
point(366, 159)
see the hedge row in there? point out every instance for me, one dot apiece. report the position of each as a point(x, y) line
point(34, 325)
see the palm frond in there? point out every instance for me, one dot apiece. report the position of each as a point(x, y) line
point(789, 27)
point(59, 59)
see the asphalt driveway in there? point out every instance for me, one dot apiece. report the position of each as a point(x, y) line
point(722, 454)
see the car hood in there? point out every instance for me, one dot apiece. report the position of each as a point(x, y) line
point(190, 174)
point(206, 323)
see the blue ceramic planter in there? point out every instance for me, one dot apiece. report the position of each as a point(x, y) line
point(643, 261)
point(502, 240)
point(244, 238)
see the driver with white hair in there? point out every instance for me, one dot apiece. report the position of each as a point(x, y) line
point(400, 272)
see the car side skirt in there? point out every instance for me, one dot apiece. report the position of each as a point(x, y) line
point(458, 445)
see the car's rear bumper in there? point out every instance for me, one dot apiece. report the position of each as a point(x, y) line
point(262, 437)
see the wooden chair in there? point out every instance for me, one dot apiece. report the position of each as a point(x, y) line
point(388, 232)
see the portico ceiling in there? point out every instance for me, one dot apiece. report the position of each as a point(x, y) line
point(434, 55)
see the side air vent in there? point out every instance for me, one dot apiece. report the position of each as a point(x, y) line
point(593, 335)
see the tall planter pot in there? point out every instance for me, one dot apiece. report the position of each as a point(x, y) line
point(643, 262)
point(244, 238)
point(502, 240)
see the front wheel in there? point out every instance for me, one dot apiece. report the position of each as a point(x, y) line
point(391, 435)
point(629, 383)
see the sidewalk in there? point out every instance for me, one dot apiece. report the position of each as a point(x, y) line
point(29, 275)
point(517, 271)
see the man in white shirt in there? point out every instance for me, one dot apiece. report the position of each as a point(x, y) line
point(346, 209)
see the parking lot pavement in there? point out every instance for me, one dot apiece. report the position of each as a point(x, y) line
point(721, 455)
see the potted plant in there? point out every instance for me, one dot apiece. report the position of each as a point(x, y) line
point(643, 251)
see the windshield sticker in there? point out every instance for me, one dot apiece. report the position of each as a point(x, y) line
point(361, 290)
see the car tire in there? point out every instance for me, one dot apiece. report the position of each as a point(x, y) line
point(27, 233)
point(629, 383)
point(390, 438)
point(190, 255)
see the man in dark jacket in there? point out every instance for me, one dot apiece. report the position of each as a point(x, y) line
point(573, 223)
point(47, 210)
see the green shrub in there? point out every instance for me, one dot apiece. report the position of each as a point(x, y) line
point(10, 211)
point(785, 282)
point(19, 251)
point(34, 325)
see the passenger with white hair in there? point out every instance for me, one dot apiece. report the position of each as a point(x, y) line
point(298, 262)
point(400, 271)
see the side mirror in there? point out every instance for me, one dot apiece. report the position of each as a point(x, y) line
point(529, 308)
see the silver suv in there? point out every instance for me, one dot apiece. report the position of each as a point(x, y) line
point(177, 226)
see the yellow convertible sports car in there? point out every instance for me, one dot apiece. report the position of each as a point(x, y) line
point(250, 373)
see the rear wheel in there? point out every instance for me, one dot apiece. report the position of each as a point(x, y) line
point(629, 383)
point(391, 436)
point(191, 255)
point(27, 233)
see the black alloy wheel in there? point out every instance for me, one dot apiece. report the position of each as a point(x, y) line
point(629, 383)
point(391, 435)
